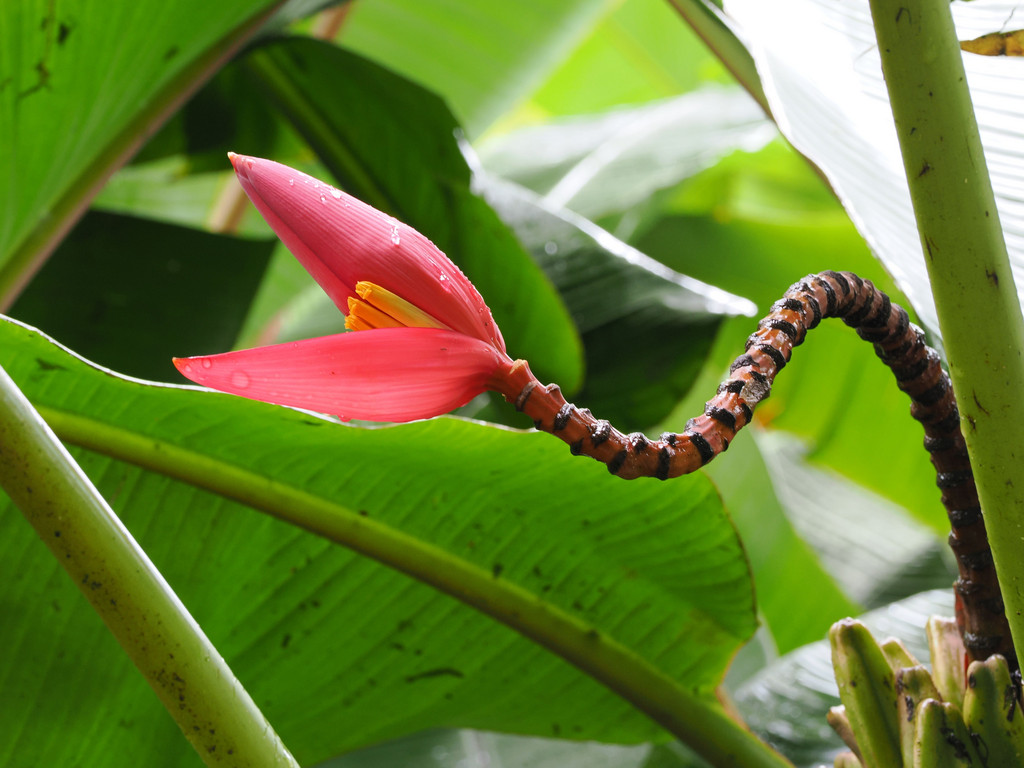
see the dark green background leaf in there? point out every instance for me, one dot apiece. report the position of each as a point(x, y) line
point(646, 329)
point(132, 293)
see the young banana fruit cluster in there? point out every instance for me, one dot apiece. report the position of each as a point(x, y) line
point(895, 714)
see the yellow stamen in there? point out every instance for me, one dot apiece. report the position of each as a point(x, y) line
point(364, 317)
point(378, 307)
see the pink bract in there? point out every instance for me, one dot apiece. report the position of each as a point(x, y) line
point(379, 374)
point(390, 374)
point(341, 240)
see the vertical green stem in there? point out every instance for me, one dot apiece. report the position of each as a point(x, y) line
point(979, 313)
point(137, 605)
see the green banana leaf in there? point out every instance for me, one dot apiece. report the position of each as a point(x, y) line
point(337, 650)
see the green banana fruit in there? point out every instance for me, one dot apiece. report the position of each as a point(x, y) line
point(941, 739)
point(897, 655)
point(948, 654)
point(867, 688)
point(913, 685)
point(896, 714)
point(992, 712)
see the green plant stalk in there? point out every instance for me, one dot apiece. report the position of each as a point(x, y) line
point(693, 716)
point(975, 297)
point(194, 683)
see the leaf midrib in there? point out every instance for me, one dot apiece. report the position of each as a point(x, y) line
point(689, 714)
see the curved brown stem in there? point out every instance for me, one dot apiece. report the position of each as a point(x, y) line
point(898, 343)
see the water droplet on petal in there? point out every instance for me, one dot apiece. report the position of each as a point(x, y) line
point(240, 379)
point(323, 199)
point(395, 237)
point(291, 182)
point(207, 363)
point(336, 194)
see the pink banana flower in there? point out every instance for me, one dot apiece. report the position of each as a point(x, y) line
point(421, 340)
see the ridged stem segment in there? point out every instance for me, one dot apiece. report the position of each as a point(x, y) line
point(898, 343)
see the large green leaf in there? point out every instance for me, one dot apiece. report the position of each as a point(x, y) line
point(393, 144)
point(80, 86)
point(633, 582)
